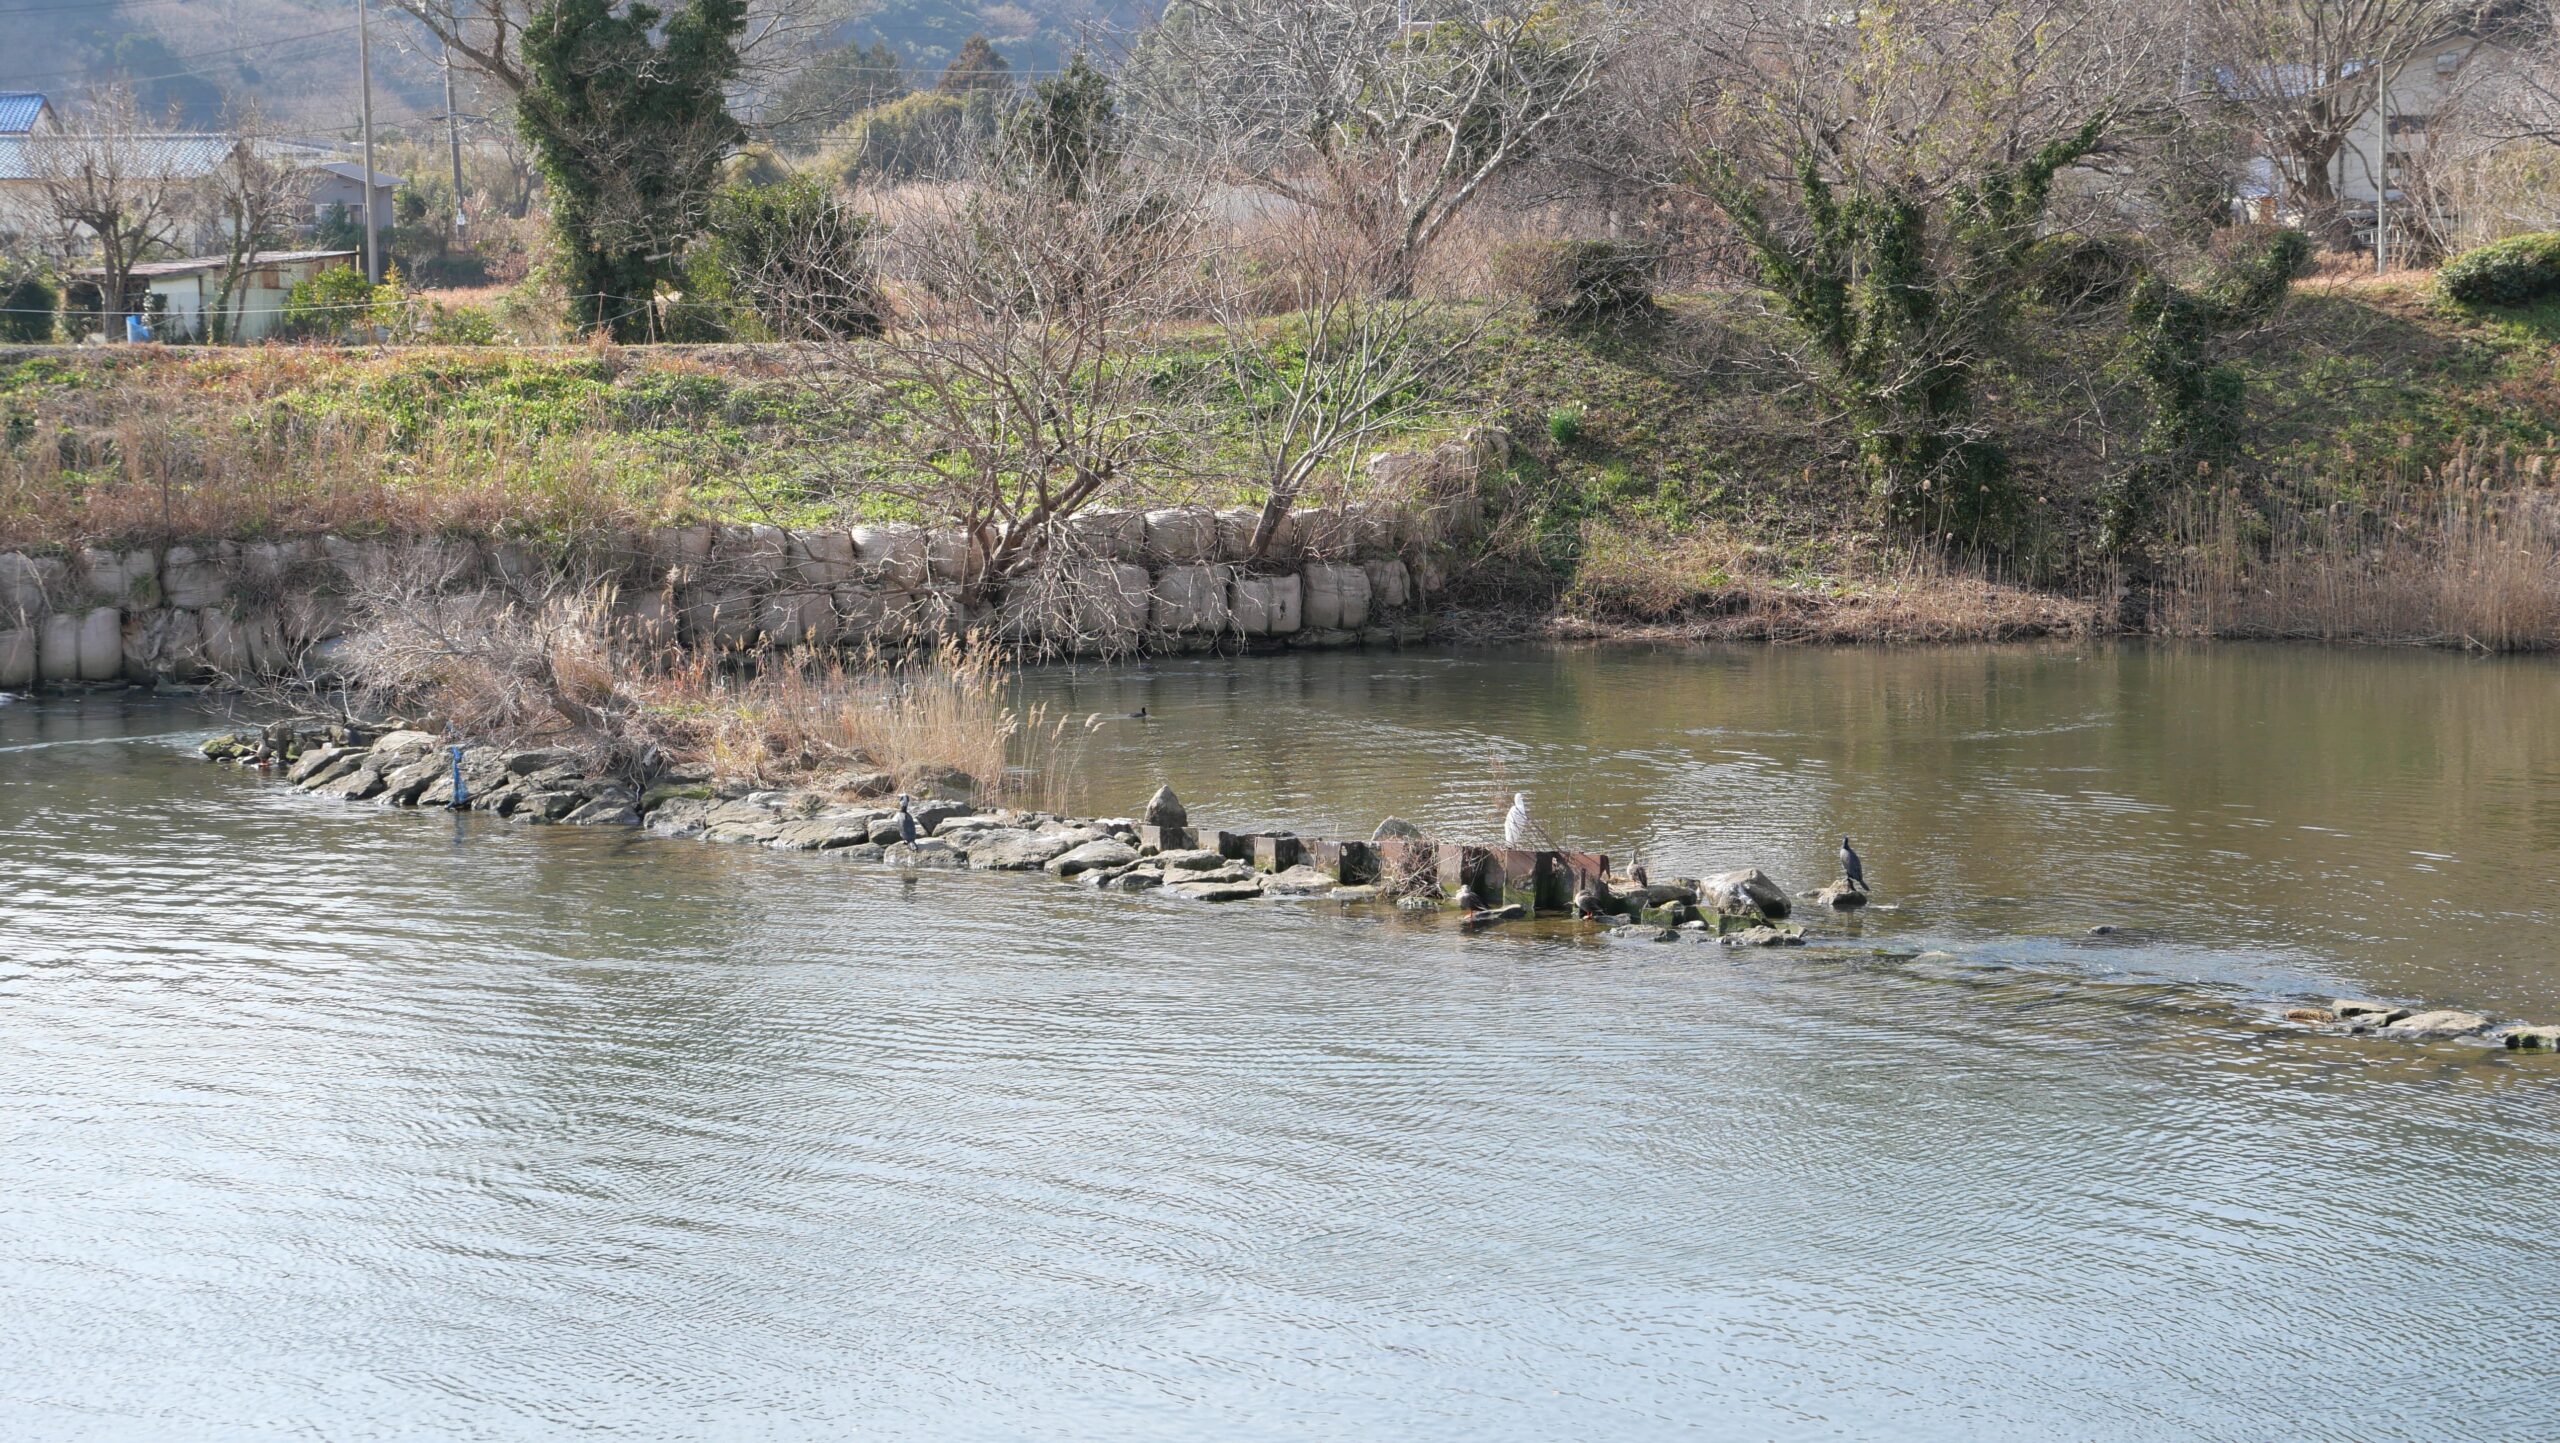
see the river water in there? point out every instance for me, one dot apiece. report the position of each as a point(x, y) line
point(325, 1122)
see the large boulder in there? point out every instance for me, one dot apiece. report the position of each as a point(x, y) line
point(1106, 854)
point(1743, 891)
point(1394, 828)
point(2443, 1022)
point(1000, 850)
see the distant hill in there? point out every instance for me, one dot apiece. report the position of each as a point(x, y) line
point(1037, 36)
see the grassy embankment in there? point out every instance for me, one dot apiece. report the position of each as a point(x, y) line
point(1672, 475)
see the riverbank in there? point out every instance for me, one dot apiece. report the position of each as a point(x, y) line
point(1665, 478)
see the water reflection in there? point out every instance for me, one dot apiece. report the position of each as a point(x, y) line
point(332, 1122)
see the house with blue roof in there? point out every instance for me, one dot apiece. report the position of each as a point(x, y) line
point(26, 112)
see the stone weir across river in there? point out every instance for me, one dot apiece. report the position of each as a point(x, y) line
point(1479, 887)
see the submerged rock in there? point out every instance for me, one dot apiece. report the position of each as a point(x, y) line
point(1396, 827)
point(1237, 891)
point(930, 853)
point(1018, 851)
point(1842, 896)
point(1300, 881)
point(1765, 937)
point(606, 811)
point(2443, 1022)
point(2367, 1014)
point(2532, 1039)
point(1198, 859)
point(1745, 889)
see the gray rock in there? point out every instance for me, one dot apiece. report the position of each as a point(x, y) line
point(1357, 894)
point(2532, 1039)
point(864, 853)
point(1765, 937)
point(947, 783)
point(314, 761)
point(2444, 1022)
point(928, 854)
point(682, 817)
point(361, 784)
point(931, 815)
point(1241, 891)
point(746, 833)
point(1137, 879)
point(525, 764)
point(1018, 851)
point(824, 834)
point(1841, 896)
point(1091, 856)
point(1745, 890)
point(542, 807)
point(1164, 809)
point(1395, 827)
point(405, 745)
point(612, 811)
point(1200, 860)
point(404, 785)
point(2367, 1014)
point(1298, 882)
point(962, 828)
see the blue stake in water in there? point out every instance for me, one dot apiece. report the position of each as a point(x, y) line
point(461, 793)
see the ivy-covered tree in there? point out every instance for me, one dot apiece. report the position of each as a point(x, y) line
point(1903, 294)
point(2198, 403)
point(629, 120)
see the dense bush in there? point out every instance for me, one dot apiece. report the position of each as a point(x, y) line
point(2077, 272)
point(332, 303)
point(1576, 280)
point(797, 255)
point(2510, 273)
point(26, 311)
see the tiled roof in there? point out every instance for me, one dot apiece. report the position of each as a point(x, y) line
point(178, 154)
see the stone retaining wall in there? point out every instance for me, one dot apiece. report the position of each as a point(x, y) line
point(1120, 581)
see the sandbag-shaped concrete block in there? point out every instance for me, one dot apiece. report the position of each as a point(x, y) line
point(1288, 603)
point(1337, 596)
point(1390, 585)
point(646, 615)
point(101, 644)
point(523, 570)
point(927, 613)
point(817, 616)
point(312, 616)
point(1190, 599)
point(823, 558)
point(718, 616)
point(195, 576)
point(1109, 603)
point(223, 651)
point(363, 565)
point(892, 557)
point(28, 584)
point(1109, 534)
point(1325, 533)
point(861, 613)
point(58, 647)
point(1182, 536)
point(1377, 528)
point(953, 555)
point(121, 578)
point(17, 656)
point(681, 546)
point(1249, 605)
point(262, 641)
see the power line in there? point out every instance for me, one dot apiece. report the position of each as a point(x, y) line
point(35, 75)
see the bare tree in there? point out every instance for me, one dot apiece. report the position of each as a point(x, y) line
point(252, 197)
point(2308, 73)
point(112, 184)
point(1028, 369)
point(1391, 116)
point(1344, 366)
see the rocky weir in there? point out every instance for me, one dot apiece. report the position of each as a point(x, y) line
point(1158, 850)
point(1106, 581)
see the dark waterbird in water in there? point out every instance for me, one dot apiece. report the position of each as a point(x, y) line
point(906, 821)
point(1850, 866)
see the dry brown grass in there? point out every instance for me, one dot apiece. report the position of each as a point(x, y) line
point(1711, 585)
point(920, 716)
point(2468, 555)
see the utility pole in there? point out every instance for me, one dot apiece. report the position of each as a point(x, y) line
point(364, 67)
point(2382, 186)
point(453, 144)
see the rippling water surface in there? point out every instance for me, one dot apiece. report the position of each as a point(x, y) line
point(324, 1122)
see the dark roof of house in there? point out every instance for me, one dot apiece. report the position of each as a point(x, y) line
point(353, 171)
